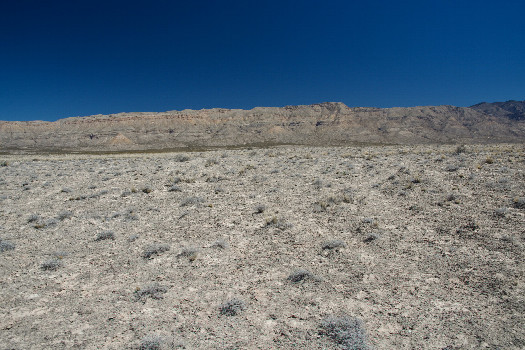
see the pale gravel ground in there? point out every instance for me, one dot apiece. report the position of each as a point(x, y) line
point(445, 270)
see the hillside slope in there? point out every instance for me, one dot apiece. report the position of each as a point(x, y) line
point(328, 123)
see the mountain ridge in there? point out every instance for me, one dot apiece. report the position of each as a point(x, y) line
point(327, 123)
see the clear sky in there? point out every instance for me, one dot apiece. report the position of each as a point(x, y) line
point(77, 57)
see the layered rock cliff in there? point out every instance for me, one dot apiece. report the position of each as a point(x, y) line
point(318, 124)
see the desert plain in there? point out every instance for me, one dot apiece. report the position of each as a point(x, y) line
point(262, 248)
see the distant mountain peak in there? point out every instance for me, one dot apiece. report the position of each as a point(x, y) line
point(511, 109)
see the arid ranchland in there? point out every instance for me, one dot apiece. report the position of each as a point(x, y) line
point(319, 124)
point(324, 244)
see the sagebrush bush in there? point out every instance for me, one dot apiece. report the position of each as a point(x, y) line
point(66, 214)
point(300, 275)
point(188, 252)
point(371, 237)
point(33, 218)
point(182, 158)
point(153, 291)
point(460, 149)
point(211, 162)
point(151, 342)
point(5, 246)
point(260, 208)
point(154, 249)
point(519, 203)
point(147, 189)
point(51, 265)
point(220, 243)
point(279, 223)
point(191, 201)
point(346, 331)
point(500, 212)
point(102, 236)
point(232, 307)
point(333, 244)
point(175, 188)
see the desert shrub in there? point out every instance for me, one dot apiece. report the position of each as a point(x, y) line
point(102, 236)
point(489, 160)
point(153, 342)
point(300, 275)
point(460, 149)
point(279, 223)
point(51, 264)
point(191, 201)
point(154, 249)
point(66, 214)
point(519, 203)
point(33, 218)
point(147, 189)
point(153, 291)
point(60, 254)
point(320, 206)
point(346, 331)
point(175, 188)
point(5, 246)
point(66, 190)
point(371, 237)
point(333, 244)
point(220, 243)
point(211, 162)
point(133, 238)
point(259, 209)
point(451, 168)
point(450, 197)
point(188, 252)
point(317, 183)
point(182, 158)
point(232, 307)
point(500, 212)
point(45, 223)
point(4, 163)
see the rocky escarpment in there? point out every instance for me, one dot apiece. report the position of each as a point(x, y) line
point(318, 124)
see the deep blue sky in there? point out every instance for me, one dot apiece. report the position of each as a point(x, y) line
point(68, 58)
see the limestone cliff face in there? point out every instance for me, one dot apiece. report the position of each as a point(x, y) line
point(318, 124)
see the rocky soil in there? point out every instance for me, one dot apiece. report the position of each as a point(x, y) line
point(392, 247)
